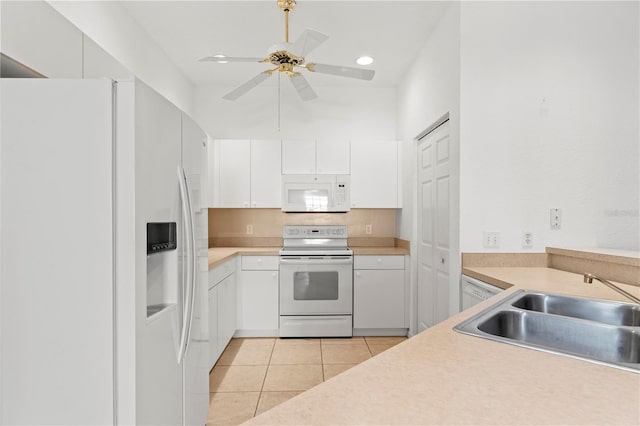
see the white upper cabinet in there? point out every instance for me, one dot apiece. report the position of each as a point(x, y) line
point(298, 157)
point(244, 173)
point(266, 183)
point(233, 178)
point(330, 156)
point(333, 156)
point(374, 174)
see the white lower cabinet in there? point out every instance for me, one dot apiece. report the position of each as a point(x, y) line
point(222, 308)
point(227, 302)
point(258, 313)
point(214, 353)
point(379, 295)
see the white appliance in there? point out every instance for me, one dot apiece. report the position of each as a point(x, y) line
point(103, 251)
point(316, 282)
point(474, 291)
point(316, 193)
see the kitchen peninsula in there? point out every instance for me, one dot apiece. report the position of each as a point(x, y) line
point(444, 377)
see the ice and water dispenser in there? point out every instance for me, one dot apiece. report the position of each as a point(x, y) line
point(162, 264)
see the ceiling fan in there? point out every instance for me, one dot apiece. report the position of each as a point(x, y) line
point(287, 57)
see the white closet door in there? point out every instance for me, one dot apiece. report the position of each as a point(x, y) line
point(434, 190)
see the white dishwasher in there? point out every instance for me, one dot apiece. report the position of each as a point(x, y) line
point(474, 291)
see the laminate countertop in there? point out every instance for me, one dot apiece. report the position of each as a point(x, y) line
point(440, 376)
point(218, 255)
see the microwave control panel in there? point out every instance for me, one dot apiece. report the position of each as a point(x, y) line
point(341, 193)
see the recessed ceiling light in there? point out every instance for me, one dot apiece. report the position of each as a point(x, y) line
point(221, 61)
point(364, 60)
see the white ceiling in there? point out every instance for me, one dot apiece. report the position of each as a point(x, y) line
point(392, 32)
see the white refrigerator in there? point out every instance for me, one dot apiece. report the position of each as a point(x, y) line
point(103, 249)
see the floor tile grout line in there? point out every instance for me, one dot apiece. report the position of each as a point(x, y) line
point(322, 361)
point(264, 379)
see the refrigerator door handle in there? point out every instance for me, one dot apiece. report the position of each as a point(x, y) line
point(188, 297)
point(192, 261)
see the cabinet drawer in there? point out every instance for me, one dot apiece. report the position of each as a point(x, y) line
point(220, 272)
point(260, 263)
point(378, 262)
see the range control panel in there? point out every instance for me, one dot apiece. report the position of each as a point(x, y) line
point(312, 231)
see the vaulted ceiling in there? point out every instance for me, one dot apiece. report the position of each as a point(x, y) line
point(392, 32)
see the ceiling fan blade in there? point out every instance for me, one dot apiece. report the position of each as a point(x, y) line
point(225, 59)
point(241, 90)
point(308, 40)
point(351, 72)
point(301, 84)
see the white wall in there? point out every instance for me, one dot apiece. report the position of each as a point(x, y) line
point(549, 118)
point(112, 28)
point(52, 47)
point(338, 112)
point(429, 89)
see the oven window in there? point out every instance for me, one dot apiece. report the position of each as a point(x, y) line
point(315, 285)
point(312, 199)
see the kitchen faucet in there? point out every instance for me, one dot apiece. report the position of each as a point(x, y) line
point(588, 278)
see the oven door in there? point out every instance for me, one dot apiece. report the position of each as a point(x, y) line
point(316, 285)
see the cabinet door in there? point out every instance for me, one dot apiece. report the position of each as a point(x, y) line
point(298, 157)
point(333, 156)
point(227, 308)
point(259, 300)
point(233, 181)
point(214, 352)
point(266, 182)
point(378, 299)
point(374, 174)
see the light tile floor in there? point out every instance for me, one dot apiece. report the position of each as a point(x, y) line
point(253, 375)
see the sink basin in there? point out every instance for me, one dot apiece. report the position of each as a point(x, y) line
point(593, 330)
point(595, 310)
point(597, 341)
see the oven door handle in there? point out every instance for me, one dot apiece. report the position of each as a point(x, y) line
point(316, 261)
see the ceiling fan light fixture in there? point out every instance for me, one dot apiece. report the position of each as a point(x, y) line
point(221, 61)
point(364, 60)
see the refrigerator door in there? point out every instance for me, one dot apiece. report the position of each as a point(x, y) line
point(195, 366)
point(57, 310)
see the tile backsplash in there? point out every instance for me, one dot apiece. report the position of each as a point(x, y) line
point(228, 227)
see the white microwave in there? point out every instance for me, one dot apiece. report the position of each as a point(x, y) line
point(316, 193)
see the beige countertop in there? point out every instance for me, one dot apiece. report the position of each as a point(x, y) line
point(379, 251)
point(443, 377)
point(218, 255)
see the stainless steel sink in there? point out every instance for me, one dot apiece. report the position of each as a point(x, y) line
point(594, 330)
point(603, 311)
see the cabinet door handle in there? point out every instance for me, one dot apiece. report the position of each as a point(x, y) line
point(357, 274)
point(246, 204)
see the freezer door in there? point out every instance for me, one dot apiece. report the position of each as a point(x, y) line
point(160, 278)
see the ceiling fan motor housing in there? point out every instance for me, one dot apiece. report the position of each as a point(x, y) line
point(286, 5)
